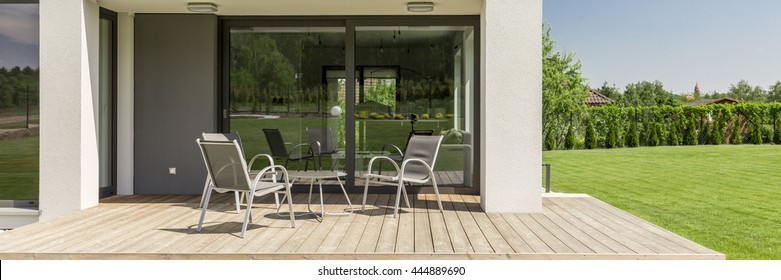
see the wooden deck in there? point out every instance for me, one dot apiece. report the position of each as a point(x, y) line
point(163, 227)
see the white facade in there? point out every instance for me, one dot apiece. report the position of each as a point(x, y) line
point(511, 79)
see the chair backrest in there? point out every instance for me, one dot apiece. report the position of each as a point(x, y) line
point(324, 136)
point(275, 142)
point(225, 164)
point(223, 137)
point(424, 148)
point(418, 133)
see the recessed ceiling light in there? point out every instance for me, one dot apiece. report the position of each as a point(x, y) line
point(202, 7)
point(420, 7)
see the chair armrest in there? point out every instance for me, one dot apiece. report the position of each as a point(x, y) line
point(252, 161)
point(316, 148)
point(371, 162)
point(294, 148)
point(265, 171)
point(273, 171)
point(393, 146)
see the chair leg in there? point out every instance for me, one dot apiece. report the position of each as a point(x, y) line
point(398, 198)
point(290, 206)
point(365, 193)
point(205, 188)
point(203, 209)
point(238, 202)
point(436, 191)
point(248, 215)
point(406, 197)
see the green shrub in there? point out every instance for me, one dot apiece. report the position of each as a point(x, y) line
point(691, 137)
point(717, 133)
point(591, 136)
point(734, 136)
point(449, 116)
point(550, 141)
point(756, 134)
point(631, 139)
point(767, 134)
point(569, 140)
point(424, 116)
point(439, 116)
point(653, 139)
point(645, 137)
point(378, 116)
point(398, 117)
point(387, 116)
point(611, 141)
point(672, 139)
point(362, 115)
point(777, 133)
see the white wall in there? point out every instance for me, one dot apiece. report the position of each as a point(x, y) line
point(511, 57)
point(69, 92)
point(125, 97)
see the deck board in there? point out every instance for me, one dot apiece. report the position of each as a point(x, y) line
point(163, 227)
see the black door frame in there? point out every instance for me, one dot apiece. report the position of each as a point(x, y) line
point(350, 23)
point(112, 17)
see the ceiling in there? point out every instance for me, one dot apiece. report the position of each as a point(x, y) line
point(296, 7)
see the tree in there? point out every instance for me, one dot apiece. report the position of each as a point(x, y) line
point(673, 139)
point(777, 133)
point(647, 93)
point(774, 92)
point(563, 87)
point(734, 135)
point(690, 138)
point(611, 141)
point(591, 135)
point(611, 92)
point(631, 138)
point(744, 91)
point(569, 141)
point(550, 142)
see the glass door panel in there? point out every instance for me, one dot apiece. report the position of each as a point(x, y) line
point(415, 78)
point(290, 80)
point(106, 104)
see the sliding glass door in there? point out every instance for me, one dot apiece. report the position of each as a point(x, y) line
point(415, 79)
point(352, 88)
point(283, 100)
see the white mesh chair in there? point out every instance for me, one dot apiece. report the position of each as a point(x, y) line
point(228, 172)
point(229, 137)
point(417, 167)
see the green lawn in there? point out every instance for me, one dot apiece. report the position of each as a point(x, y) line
point(19, 169)
point(727, 198)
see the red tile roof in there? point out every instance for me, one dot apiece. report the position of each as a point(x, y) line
point(596, 99)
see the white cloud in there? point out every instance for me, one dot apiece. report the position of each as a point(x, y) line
point(19, 22)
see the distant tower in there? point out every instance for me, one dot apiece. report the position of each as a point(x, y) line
point(697, 91)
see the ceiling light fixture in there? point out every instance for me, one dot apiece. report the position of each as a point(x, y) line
point(420, 7)
point(202, 7)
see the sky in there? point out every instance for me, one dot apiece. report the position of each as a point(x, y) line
point(18, 35)
point(678, 42)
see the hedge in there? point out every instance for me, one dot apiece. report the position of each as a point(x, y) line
point(612, 126)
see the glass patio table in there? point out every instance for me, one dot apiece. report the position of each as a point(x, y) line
point(319, 176)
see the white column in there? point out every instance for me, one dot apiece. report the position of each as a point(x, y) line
point(511, 95)
point(69, 92)
point(125, 97)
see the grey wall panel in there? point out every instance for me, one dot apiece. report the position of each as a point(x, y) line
point(175, 100)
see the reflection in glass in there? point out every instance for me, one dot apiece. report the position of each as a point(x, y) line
point(426, 72)
point(282, 78)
